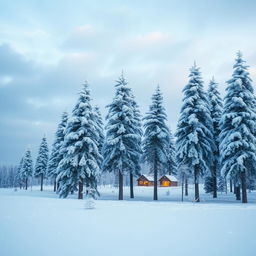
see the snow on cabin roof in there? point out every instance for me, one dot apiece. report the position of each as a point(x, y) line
point(170, 177)
point(149, 178)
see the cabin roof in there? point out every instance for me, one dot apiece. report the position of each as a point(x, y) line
point(149, 178)
point(169, 177)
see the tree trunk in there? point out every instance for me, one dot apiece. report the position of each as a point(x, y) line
point(54, 185)
point(196, 174)
point(26, 183)
point(230, 185)
point(42, 181)
point(238, 193)
point(186, 186)
point(131, 186)
point(244, 192)
point(155, 180)
point(121, 189)
point(214, 182)
point(80, 189)
point(234, 190)
point(116, 177)
point(182, 188)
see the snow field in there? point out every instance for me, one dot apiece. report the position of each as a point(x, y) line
point(35, 223)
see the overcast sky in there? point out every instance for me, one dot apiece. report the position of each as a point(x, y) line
point(48, 48)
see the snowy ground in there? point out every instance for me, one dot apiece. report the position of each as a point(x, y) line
point(35, 223)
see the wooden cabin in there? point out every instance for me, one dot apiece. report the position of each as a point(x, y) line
point(168, 181)
point(145, 180)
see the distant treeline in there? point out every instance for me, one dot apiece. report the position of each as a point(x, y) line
point(8, 176)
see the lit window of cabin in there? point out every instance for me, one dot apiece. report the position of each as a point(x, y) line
point(166, 183)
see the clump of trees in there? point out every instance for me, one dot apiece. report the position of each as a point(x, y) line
point(214, 142)
point(9, 176)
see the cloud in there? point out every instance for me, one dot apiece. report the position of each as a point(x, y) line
point(47, 53)
point(12, 63)
point(4, 80)
point(151, 38)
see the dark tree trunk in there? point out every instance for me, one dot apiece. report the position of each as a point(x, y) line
point(243, 183)
point(196, 174)
point(234, 190)
point(230, 185)
point(155, 180)
point(26, 183)
point(54, 185)
point(42, 181)
point(186, 186)
point(214, 182)
point(131, 186)
point(58, 185)
point(80, 189)
point(182, 188)
point(121, 189)
point(238, 193)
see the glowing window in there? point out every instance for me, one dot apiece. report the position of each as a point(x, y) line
point(165, 183)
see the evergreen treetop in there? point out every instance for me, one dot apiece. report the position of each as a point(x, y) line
point(27, 166)
point(81, 160)
point(238, 124)
point(42, 159)
point(194, 133)
point(122, 146)
point(57, 154)
point(156, 141)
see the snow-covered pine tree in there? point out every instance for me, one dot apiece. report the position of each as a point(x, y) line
point(81, 156)
point(121, 149)
point(172, 165)
point(156, 141)
point(194, 142)
point(208, 184)
point(183, 174)
point(19, 171)
point(42, 162)
point(238, 126)
point(251, 183)
point(137, 125)
point(27, 168)
point(100, 127)
point(221, 184)
point(56, 153)
point(215, 104)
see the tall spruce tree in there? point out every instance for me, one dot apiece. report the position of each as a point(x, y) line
point(156, 141)
point(194, 133)
point(208, 184)
point(238, 126)
point(221, 184)
point(19, 171)
point(121, 149)
point(137, 125)
point(81, 160)
point(27, 168)
point(215, 104)
point(56, 153)
point(100, 127)
point(172, 165)
point(42, 162)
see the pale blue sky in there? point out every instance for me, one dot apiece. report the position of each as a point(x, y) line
point(48, 48)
